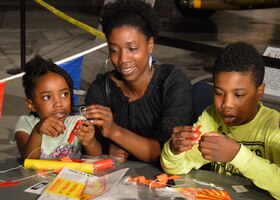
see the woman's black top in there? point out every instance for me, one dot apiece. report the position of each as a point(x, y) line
point(167, 103)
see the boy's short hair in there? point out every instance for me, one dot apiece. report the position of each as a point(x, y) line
point(240, 57)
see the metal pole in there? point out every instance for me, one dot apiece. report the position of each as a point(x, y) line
point(22, 40)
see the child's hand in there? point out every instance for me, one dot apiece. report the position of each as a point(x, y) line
point(50, 126)
point(86, 133)
point(183, 139)
point(218, 147)
point(101, 116)
point(118, 152)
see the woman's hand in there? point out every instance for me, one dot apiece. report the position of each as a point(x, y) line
point(183, 138)
point(50, 126)
point(101, 116)
point(218, 147)
point(118, 152)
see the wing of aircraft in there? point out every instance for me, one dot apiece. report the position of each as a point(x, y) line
point(205, 8)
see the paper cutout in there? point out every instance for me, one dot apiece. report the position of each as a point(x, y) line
point(198, 132)
point(199, 194)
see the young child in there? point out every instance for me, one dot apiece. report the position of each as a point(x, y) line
point(45, 131)
point(240, 135)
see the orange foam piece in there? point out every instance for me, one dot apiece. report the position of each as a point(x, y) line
point(162, 178)
point(66, 159)
point(146, 182)
point(157, 184)
point(139, 178)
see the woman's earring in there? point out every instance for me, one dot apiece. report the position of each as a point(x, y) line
point(106, 63)
point(150, 62)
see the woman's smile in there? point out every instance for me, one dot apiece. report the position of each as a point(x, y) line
point(127, 71)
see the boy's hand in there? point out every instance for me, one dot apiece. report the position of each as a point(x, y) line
point(183, 138)
point(86, 133)
point(50, 126)
point(218, 147)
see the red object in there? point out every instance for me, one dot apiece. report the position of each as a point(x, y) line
point(198, 132)
point(65, 159)
point(103, 164)
point(9, 183)
point(73, 132)
point(160, 181)
point(163, 178)
point(2, 88)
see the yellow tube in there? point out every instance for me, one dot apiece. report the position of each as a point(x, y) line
point(211, 5)
point(56, 165)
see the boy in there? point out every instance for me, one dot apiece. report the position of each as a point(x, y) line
point(240, 135)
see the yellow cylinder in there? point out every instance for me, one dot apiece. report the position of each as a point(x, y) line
point(197, 4)
point(211, 5)
point(56, 165)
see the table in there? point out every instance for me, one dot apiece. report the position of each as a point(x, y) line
point(135, 169)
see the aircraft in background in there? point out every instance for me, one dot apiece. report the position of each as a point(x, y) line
point(205, 8)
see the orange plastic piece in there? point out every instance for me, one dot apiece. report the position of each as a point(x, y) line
point(157, 185)
point(58, 170)
point(146, 182)
point(198, 132)
point(73, 132)
point(9, 183)
point(162, 178)
point(139, 178)
point(103, 164)
point(133, 179)
point(160, 182)
point(66, 159)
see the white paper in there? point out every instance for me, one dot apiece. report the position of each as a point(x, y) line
point(38, 188)
point(272, 75)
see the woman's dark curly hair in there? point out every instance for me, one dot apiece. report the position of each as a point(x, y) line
point(135, 13)
point(38, 67)
point(241, 57)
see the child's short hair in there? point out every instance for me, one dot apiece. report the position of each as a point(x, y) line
point(37, 67)
point(240, 57)
point(133, 13)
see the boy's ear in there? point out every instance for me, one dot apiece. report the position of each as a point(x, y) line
point(260, 91)
point(30, 105)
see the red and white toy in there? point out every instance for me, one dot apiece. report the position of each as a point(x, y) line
point(73, 132)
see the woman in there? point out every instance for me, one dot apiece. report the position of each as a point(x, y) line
point(137, 104)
